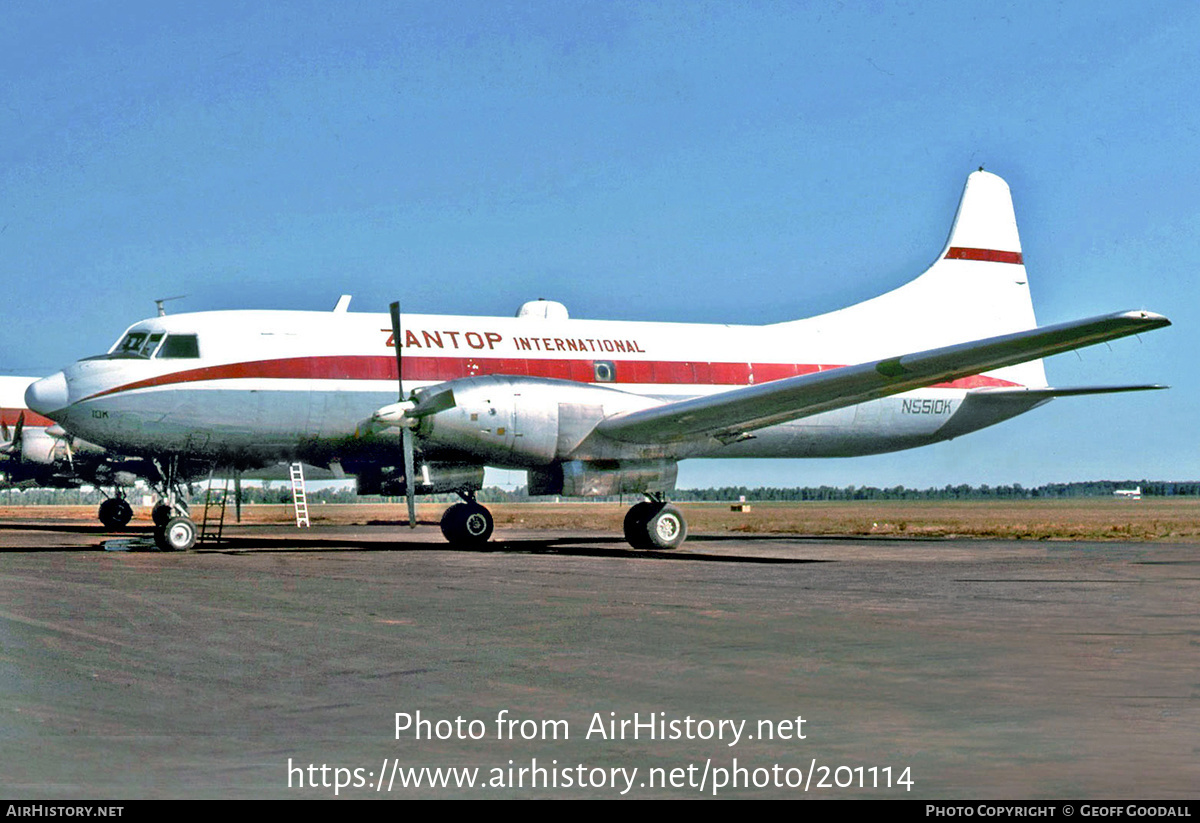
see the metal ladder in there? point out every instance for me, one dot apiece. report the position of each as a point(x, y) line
point(215, 499)
point(299, 497)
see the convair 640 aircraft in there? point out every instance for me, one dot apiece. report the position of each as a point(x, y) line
point(587, 407)
point(34, 450)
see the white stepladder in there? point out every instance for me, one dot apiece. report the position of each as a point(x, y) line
point(299, 497)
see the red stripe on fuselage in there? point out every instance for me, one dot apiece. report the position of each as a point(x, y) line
point(987, 255)
point(372, 367)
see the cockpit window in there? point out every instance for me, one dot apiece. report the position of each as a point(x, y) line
point(145, 344)
point(137, 344)
point(180, 345)
point(132, 343)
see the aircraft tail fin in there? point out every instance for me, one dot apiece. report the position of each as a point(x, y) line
point(976, 288)
point(985, 226)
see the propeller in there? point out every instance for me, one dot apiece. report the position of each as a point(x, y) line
point(63, 440)
point(406, 414)
point(12, 445)
point(406, 422)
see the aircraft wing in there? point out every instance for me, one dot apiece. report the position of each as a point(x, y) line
point(730, 415)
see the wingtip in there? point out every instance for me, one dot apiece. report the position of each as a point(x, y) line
point(1150, 318)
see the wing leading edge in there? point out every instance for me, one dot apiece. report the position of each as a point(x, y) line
point(730, 415)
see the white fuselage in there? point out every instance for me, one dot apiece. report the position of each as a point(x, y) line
point(271, 385)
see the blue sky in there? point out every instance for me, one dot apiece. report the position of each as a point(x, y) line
point(732, 162)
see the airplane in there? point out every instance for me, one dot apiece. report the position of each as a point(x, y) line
point(35, 450)
point(416, 404)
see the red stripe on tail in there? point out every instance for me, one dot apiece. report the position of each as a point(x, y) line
point(987, 255)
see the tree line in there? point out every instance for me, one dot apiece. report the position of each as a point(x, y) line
point(281, 493)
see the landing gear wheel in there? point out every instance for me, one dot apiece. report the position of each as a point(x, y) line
point(655, 526)
point(178, 535)
point(667, 529)
point(115, 513)
point(635, 523)
point(467, 524)
point(160, 514)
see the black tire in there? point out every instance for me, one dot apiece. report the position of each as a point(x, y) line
point(450, 519)
point(635, 523)
point(467, 524)
point(160, 514)
point(179, 535)
point(115, 513)
point(655, 526)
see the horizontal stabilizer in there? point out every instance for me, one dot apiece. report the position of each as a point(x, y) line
point(1072, 391)
point(729, 415)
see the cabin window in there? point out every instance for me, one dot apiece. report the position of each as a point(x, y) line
point(604, 371)
point(180, 345)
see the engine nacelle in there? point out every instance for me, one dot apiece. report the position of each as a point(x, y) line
point(39, 447)
point(522, 421)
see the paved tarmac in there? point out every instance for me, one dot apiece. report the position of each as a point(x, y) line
point(951, 669)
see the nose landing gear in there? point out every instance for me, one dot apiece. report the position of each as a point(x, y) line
point(174, 531)
point(178, 535)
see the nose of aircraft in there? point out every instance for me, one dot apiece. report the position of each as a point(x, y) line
point(47, 395)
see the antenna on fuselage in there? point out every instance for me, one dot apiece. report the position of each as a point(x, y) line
point(162, 312)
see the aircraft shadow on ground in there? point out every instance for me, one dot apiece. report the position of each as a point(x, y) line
point(71, 528)
point(139, 538)
point(816, 538)
point(613, 547)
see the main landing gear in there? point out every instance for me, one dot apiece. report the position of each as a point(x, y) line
point(467, 524)
point(655, 524)
point(115, 513)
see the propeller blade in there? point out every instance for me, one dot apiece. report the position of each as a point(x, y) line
point(410, 482)
point(406, 435)
point(395, 310)
point(12, 440)
point(428, 403)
